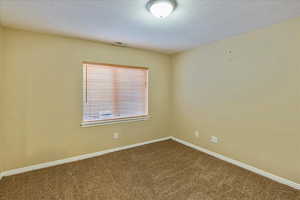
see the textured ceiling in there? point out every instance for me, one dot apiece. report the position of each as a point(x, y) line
point(193, 23)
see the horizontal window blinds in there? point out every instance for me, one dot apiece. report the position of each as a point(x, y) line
point(113, 92)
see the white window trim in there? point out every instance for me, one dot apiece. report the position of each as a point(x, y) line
point(118, 120)
point(113, 121)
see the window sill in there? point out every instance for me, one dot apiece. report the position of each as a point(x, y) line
point(113, 121)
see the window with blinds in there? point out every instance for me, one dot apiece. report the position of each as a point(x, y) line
point(112, 92)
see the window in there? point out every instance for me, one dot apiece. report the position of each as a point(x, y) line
point(114, 93)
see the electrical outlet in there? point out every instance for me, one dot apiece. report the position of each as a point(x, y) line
point(197, 134)
point(116, 136)
point(214, 139)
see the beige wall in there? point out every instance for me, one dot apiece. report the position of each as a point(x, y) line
point(43, 98)
point(1, 93)
point(246, 91)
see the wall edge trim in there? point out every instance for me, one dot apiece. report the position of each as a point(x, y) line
point(75, 158)
point(241, 164)
point(99, 153)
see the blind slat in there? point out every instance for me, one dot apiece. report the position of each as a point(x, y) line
point(112, 92)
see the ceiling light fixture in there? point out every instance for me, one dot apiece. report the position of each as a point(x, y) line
point(161, 8)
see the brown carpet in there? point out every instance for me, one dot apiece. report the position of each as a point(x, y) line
point(160, 171)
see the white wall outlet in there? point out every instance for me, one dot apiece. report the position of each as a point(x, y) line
point(116, 136)
point(197, 134)
point(214, 139)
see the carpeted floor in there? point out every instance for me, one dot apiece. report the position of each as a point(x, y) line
point(160, 171)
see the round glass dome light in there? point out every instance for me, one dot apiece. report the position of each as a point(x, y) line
point(161, 8)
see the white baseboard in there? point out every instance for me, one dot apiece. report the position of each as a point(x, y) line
point(91, 155)
point(76, 158)
point(242, 165)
